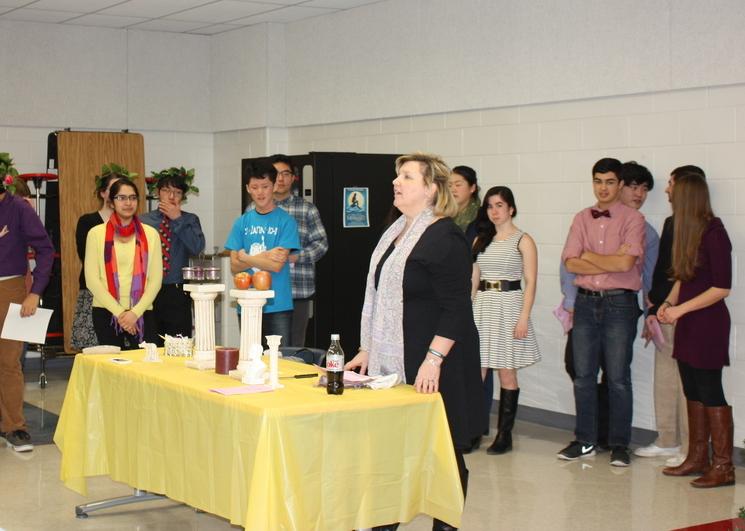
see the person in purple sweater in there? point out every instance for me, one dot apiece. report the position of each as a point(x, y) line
point(20, 228)
point(702, 269)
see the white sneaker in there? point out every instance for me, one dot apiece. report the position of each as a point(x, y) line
point(676, 460)
point(655, 451)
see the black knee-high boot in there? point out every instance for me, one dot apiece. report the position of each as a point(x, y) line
point(439, 525)
point(507, 411)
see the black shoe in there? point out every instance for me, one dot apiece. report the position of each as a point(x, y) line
point(19, 440)
point(576, 450)
point(619, 456)
point(602, 446)
point(475, 443)
point(439, 525)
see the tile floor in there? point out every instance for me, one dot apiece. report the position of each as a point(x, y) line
point(526, 489)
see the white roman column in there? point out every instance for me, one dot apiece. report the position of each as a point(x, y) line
point(204, 296)
point(252, 304)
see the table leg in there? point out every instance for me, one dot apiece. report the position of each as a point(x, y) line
point(81, 511)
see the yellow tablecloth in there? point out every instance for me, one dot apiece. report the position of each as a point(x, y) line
point(295, 458)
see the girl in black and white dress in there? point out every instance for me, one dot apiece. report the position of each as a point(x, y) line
point(503, 287)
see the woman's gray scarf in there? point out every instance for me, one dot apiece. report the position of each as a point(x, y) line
point(381, 327)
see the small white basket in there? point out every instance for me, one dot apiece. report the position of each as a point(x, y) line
point(178, 346)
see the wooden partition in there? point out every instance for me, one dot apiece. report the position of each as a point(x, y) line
point(80, 156)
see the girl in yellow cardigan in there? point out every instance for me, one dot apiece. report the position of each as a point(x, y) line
point(123, 270)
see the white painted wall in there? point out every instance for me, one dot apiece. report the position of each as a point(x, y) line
point(168, 81)
point(410, 57)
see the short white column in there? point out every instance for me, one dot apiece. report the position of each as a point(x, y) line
point(252, 304)
point(204, 296)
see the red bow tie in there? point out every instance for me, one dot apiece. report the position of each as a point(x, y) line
point(599, 213)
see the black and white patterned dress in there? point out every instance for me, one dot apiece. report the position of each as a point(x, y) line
point(496, 312)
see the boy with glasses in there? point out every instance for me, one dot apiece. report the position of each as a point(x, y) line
point(313, 245)
point(181, 236)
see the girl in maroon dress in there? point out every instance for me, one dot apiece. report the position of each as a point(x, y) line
point(702, 269)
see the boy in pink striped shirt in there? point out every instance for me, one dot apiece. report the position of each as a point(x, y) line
point(605, 250)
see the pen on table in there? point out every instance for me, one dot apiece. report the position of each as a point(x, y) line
point(309, 375)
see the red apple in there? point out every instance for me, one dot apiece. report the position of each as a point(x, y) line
point(242, 280)
point(262, 280)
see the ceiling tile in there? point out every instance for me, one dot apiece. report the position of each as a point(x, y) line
point(223, 11)
point(338, 4)
point(278, 2)
point(215, 29)
point(13, 3)
point(106, 21)
point(178, 26)
point(75, 6)
point(152, 8)
point(37, 15)
point(288, 14)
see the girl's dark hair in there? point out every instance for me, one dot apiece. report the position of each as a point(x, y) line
point(485, 229)
point(103, 183)
point(469, 174)
point(123, 181)
point(175, 181)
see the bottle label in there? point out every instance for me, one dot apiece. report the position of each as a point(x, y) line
point(334, 363)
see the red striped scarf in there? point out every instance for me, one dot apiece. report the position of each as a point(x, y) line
point(114, 227)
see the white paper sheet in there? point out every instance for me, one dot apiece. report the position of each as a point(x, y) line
point(32, 329)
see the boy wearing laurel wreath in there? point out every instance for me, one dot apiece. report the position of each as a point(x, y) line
point(181, 236)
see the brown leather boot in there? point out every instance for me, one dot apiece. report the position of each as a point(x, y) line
point(697, 460)
point(722, 472)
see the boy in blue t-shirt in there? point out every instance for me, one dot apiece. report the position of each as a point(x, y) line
point(262, 239)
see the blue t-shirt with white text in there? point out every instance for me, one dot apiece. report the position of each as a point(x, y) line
point(255, 233)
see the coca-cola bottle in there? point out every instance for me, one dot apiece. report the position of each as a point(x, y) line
point(335, 367)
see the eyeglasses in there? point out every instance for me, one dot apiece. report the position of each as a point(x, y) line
point(285, 173)
point(175, 192)
point(122, 198)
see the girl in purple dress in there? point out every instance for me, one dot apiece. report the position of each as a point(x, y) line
point(702, 269)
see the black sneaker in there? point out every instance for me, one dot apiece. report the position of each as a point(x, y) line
point(576, 450)
point(19, 440)
point(619, 456)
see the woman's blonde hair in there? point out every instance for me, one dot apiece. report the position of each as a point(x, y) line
point(436, 172)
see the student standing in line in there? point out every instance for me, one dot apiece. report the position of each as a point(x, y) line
point(702, 268)
point(20, 228)
point(123, 270)
point(504, 258)
point(83, 333)
point(181, 236)
point(313, 246)
point(669, 401)
point(262, 239)
point(606, 311)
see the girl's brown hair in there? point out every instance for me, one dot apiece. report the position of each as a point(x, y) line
point(692, 213)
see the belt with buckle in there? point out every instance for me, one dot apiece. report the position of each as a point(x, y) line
point(604, 293)
point(499, 285)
